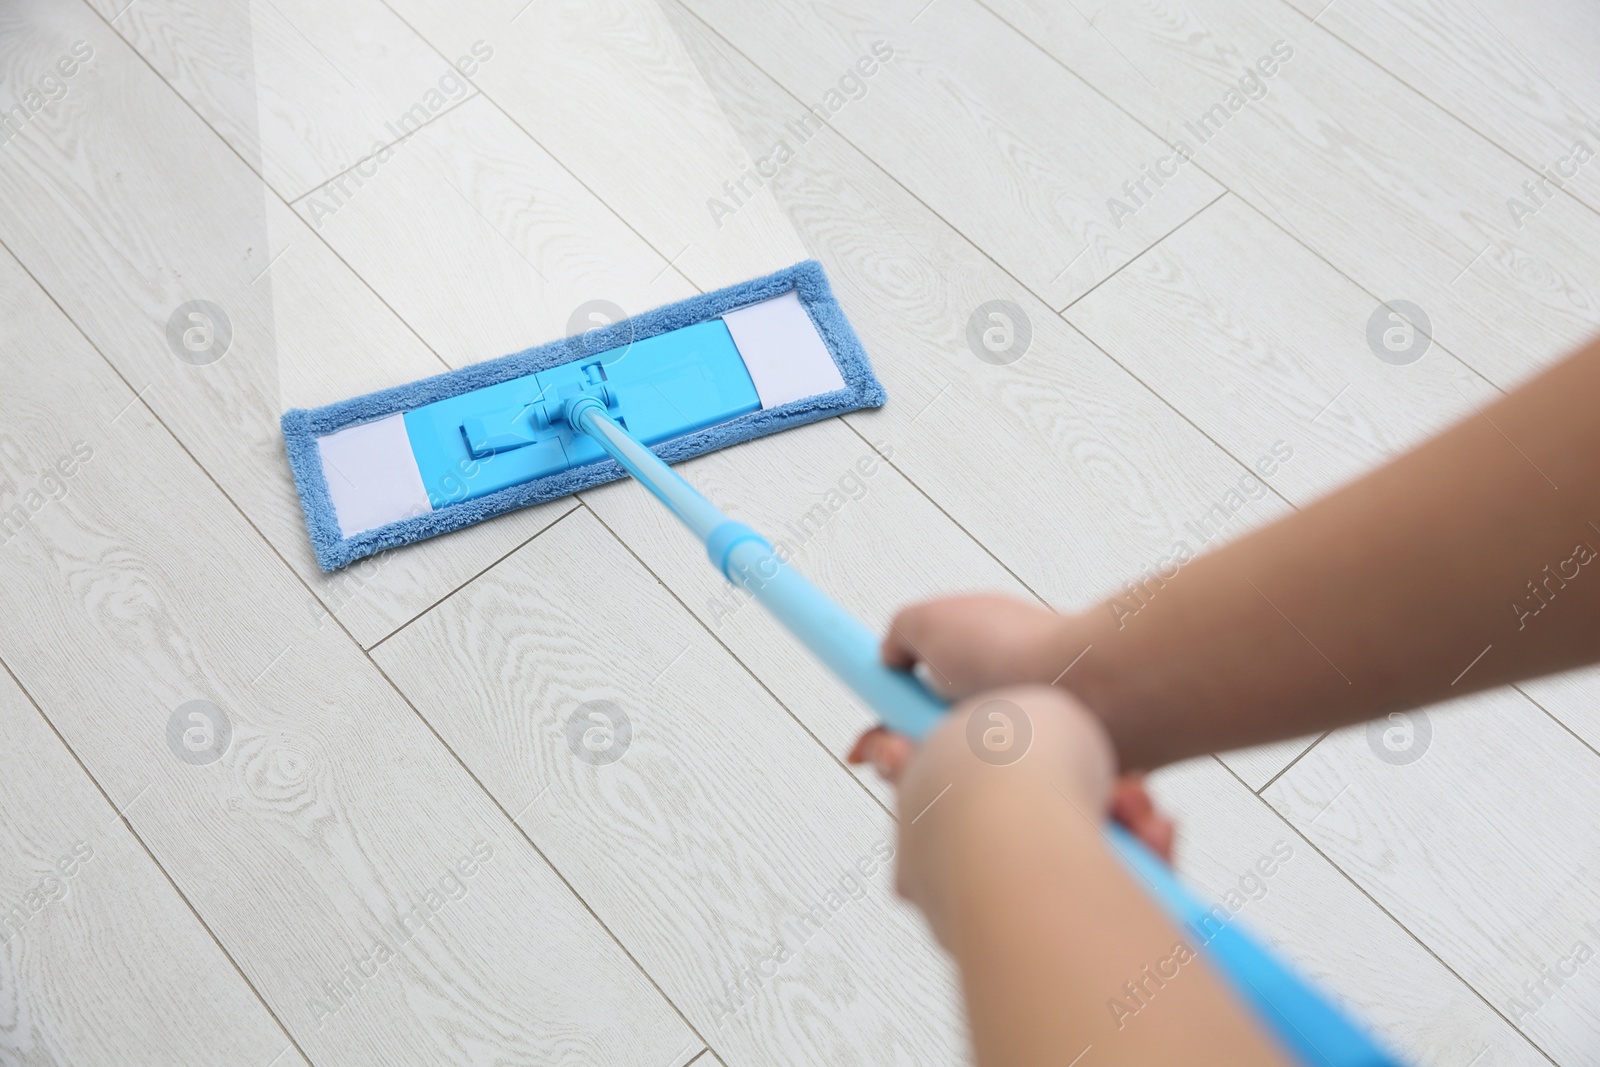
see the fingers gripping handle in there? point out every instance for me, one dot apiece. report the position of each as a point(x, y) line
point(1297, 1014)
point(1302, 1020)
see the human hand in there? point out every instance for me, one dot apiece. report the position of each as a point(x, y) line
point(972, 643)
point(1000, 846)
point(979, 642)
point(1067, 762)
point(1130, 803)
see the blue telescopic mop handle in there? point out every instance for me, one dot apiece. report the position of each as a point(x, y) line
point(1302, 1020)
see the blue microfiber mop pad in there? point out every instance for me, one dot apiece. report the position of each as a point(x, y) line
point(302, 427)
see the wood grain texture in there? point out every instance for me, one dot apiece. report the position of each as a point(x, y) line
point(125, 206)
point(1473, 849)
point(1269, 879)
point(1066, 468)
point(828, 496)
point(1507, 69)
point(502, 245)
point(1258, 340)
point(1254, 337)
point(606, 88)
point(1008, 148)
point(1573, 698)
point(973, 167)
point(332, 820)
point(85, 916)
point(300, 90)
point(1085, 448)
point(1395, 193)
point(717, 828)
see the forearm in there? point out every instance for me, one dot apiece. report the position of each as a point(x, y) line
point(1378, 597)
point(1059, 950)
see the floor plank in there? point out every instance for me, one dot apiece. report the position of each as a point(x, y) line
point(1470, 848)
point(1257, 340)
point(1331, 931)
point(125, 206)
point(1573, 698)
point(1064, 417)
point(504, 246)
point(302, 91)
point(1121, 474)
point(607, 89)
point(970, 119)
point(716, 827)
point(1396, 194)
point(385, 909)
point(1507, 69)
point(87, 916)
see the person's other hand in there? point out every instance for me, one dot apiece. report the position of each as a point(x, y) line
point(983, 641)
point(971, 643)
point(1068, 761)
point(891, 753)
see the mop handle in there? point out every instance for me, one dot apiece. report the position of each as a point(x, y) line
point(1302, 1020)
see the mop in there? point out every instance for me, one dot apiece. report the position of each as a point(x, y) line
point(407, 463)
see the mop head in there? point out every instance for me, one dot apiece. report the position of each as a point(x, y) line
point(402, 464)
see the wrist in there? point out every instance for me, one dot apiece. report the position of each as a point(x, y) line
point(1099, 680)
point(1026, 740)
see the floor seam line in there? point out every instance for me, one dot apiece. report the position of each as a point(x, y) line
point(479, 574)
point(389, 146)
point(127, 823)
point(695, 618)
point(1373, 900)
point(1229, 188)
point(528, 837)
point(598, 199)
point(1287, 767)
point(1487, 139)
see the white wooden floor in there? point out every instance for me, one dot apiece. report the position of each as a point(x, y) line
point(385, 850)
